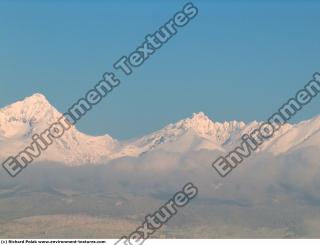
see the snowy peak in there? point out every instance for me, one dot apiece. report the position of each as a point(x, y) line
point(199, 122)
point(24, 117)
point(35, 100)
point(35, 107)
point(206, 128)
point(38, 101)
point(34, 114)
point(37, 97)
point(194, 133)
point(199, 118)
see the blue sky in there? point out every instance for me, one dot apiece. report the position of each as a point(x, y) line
point(237, 60)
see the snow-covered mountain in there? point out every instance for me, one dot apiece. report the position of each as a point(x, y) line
point(299, 136)
point(195, 133)
point(20, 120)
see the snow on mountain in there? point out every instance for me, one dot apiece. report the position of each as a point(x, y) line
point(304, 134)
point(235, 138)
point(20, 120)
point(195, 133)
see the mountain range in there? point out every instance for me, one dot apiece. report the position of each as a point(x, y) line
point(274, 193)
point(20, 120)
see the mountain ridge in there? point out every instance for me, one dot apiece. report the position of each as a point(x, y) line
point(20, 120)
